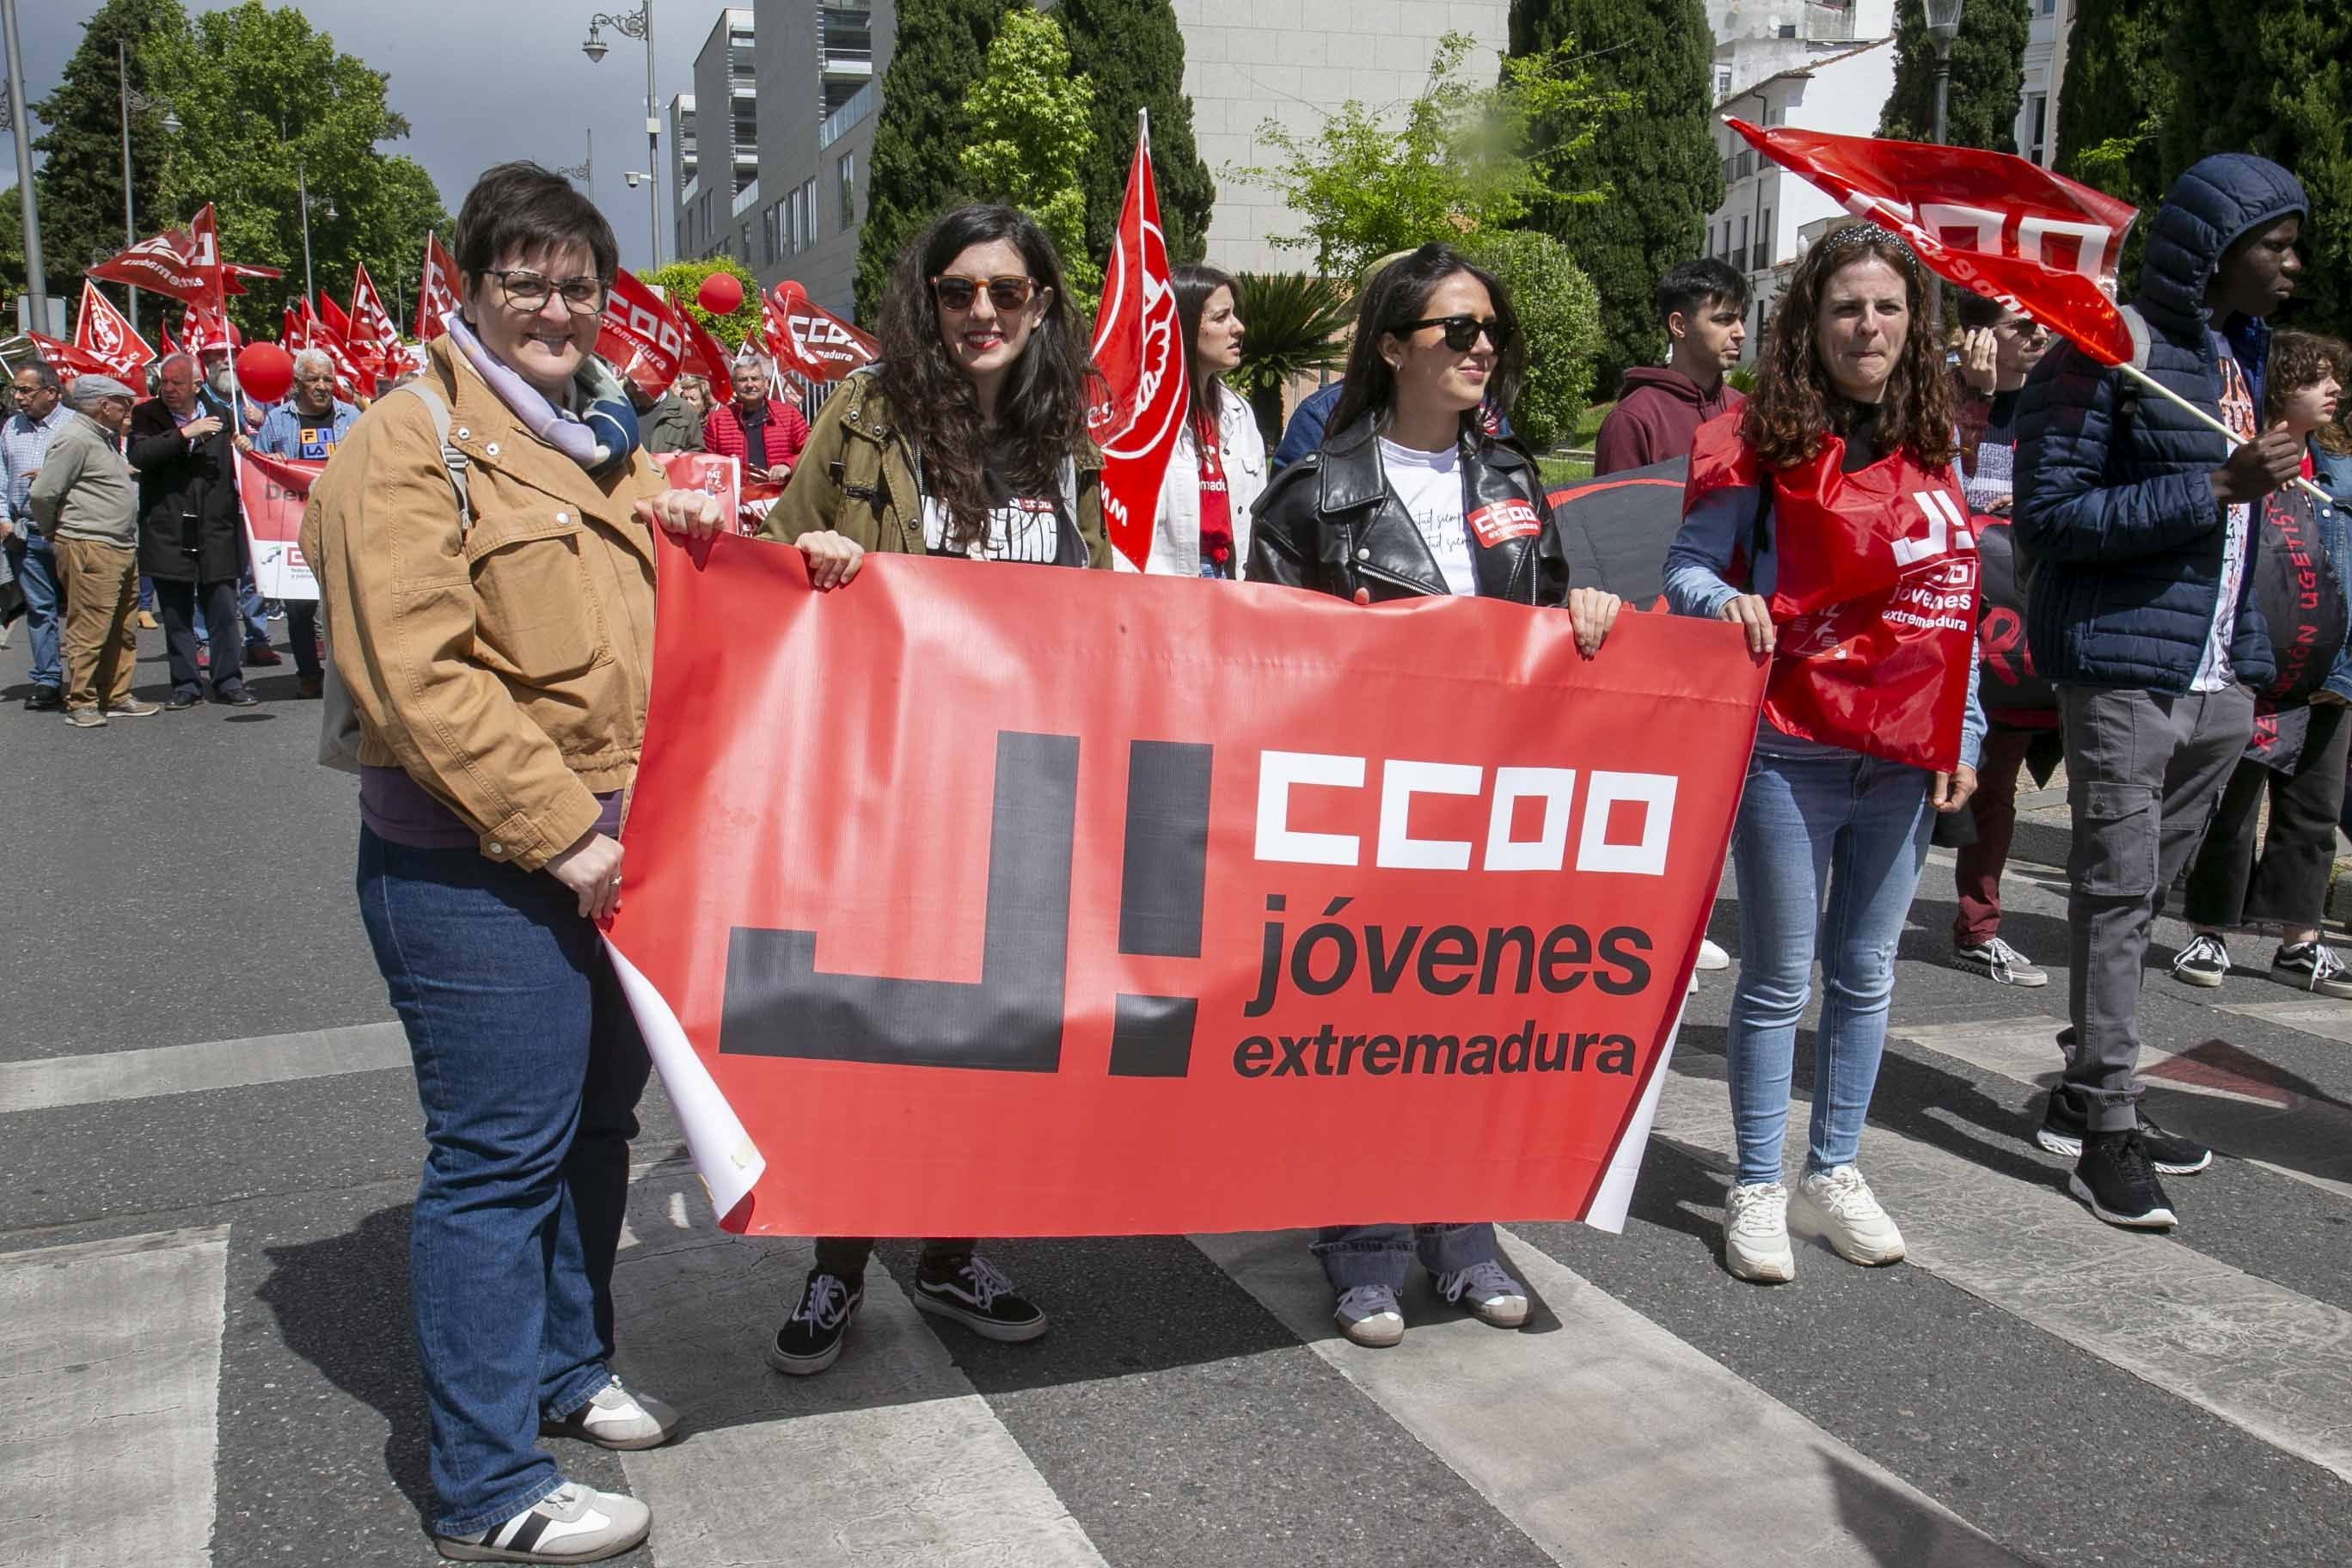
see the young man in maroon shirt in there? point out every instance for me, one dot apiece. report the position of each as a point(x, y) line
point(1703, 305)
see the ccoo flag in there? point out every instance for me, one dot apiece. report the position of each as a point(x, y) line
point(436, 291)
point(1139, 348)
point(1992, 223)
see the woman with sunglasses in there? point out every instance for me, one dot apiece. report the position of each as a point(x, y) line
point(1218, 468)
point(1809, 510)
point(966, 438)
point(1410, 495)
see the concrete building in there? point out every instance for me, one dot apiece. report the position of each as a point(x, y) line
point(2045, 69)
point(715, 153)
point(820, 66)
point(1759, 38)
point(1768, 216)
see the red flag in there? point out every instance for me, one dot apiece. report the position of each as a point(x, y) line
point(164, 343)
point(437, 291)
point(810, 340)
point(641, 335)
point(331, 316)
point(207, 328)
point(101, 331)
point(372, 325)
point(182, 263)
point(1140, 350)
point(2001, 226)
point(293, 331)
point(705, 356)
point(70, 361)
point(234, 272)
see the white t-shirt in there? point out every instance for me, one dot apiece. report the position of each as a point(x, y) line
point(2213, 671)
point(1430, 485)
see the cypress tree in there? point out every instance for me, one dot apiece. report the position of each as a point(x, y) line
point(1133, 52)
point(2275, 78)
point(2115, 96)
point(940, 52)
point(81, 180)
point(1988, 76)
point(1655, 166)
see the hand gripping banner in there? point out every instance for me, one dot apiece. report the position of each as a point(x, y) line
point(1016, 901)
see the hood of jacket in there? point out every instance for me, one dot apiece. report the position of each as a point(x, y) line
point(2217, 202)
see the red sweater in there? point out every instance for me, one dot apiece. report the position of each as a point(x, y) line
point(1658, 411)
point(722, 432)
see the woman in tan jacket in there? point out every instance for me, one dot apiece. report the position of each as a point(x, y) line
point(497, 657)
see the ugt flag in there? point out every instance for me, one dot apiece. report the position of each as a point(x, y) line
point(1995, 224)
point(1139, 349)
point(102, 331)
point(1125, 937)
point(436, 291)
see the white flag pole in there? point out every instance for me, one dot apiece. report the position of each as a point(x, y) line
point(2152, 385)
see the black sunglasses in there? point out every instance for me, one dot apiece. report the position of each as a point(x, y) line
point(1006, 293)
point(1462, 331)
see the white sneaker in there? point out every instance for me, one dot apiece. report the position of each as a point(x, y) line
point(616, 1419)
point(570, 1524)
point(1837, 1204)
point(1370, 1315)
point(1756, 1232)
point(1712, 957)
point(1489, 1291)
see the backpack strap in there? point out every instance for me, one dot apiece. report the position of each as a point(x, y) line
point(454, 461)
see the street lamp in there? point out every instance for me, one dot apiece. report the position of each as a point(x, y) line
point(134, 103)
point(327, 204)
point(37, 286)
point(1943, 26)
point(637, 23)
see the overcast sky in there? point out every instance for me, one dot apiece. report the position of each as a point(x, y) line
point(480, 80)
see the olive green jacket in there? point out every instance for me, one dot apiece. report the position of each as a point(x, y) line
point(857, 477)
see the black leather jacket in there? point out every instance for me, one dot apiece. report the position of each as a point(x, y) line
point(1330, 522)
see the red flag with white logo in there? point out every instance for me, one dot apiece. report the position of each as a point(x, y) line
point(68, 360)
point(436, 291)
point(204, 329)
point(806, 338)
point(372, 328)
point(1998, 225)
point(183, 263)
point(641, 335)
point(1139, 348)
point(102, 331)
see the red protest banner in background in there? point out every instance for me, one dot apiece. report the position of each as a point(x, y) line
point(275, 490)
point(1139, 348)
point(1124, 936)
point(804, 337)
point(712, 473)
point(1993, 223)
point(103, 332)
point(436, 291)
point(641, 335)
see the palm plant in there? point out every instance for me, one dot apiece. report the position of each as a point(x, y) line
point(1297, 323)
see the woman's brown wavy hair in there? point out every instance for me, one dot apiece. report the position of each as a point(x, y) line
point(2298, 360)
point(1795, 405)
point(1041, 408)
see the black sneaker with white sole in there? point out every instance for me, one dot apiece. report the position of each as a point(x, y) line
point(2312, 966)
point(811, 1338)
point(2062, 1128)
point(2204, 962)
point(1999, 962)
point(2115, 1177)
point(975, 1293)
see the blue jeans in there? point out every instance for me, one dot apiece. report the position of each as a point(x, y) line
point(34, 562)
point(1851, 831)
point(1355, 1255)
point(528, 1066)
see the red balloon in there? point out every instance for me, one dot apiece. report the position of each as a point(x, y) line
point(264, 372)
point(788, 292)
point(721, 294)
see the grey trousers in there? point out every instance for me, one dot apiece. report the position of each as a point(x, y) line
point(2144, 772)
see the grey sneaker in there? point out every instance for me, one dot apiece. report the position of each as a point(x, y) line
point(570, 1524)
point(2204, 962)
point(2312, 966)
point(1491, 1295)
point(134, 709)
point(85, 718)
point(1370, 1315)
point(615, 1418)
point(1999, 962)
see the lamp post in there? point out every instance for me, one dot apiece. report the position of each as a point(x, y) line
point(140, 102)
point(1943, 26)
point(37, 286)
point(585, 171)
point(303, 194)
point(638, 24)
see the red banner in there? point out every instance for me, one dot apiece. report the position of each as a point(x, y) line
point(641, 336)
point(1998, 225)
point(103, 332)
point(1016, 929)
point(811, 339)
point(275, 490)
point(713, 474)
point(437, 291)
point(1139, 348)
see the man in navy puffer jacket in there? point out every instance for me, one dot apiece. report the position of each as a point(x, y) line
point(2140, 525)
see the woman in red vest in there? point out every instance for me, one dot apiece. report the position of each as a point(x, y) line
point(1824, 519)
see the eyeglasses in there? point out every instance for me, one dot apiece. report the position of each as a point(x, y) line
point(1007, 293)
point(1462, 331)
point(582, 295)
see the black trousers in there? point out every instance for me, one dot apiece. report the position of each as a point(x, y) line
point(2283, 879)
point(846, 1255)
point(222, 618)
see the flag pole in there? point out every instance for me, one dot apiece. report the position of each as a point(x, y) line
point(2150, 384)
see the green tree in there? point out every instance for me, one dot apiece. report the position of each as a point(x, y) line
point(1458, 163)
point(2275, 78)
point(1988, 76)
point(1133, 52)
point(2113, 98)
point(12, 256)
point(1026, 136)
point(913, 173)
point(1656, 170)
point(80, 178)
point(682, 282)
point(1560, 316)
point(266, 102)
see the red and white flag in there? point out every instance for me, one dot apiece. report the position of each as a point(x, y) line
point(641, 335)
point(204, 329)
point(373, 327)
point(1139, 348)
point(70, 361)
point(184, 263)
point(101, 332)
point(705, 355)
point(436, 291)
point(1998, 225)
point(805, 338)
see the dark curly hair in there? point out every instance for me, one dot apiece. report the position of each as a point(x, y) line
point(1040, 410)
point(1398, 294)
point(2298, 360)
point(1795, 404)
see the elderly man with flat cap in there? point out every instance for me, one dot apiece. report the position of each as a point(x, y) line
point(85, 502)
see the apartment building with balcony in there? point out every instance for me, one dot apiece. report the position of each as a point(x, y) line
point(820, 67)
point(715, 156)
